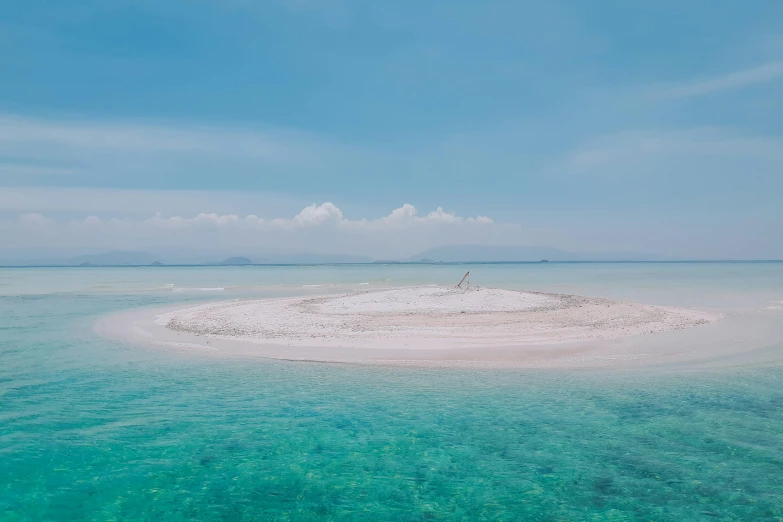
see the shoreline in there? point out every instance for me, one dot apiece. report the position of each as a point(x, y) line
point(426, 326)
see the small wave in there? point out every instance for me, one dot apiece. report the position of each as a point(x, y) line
point(184, 346)
point(319, 286)
point(183, 289)
point(381, 280)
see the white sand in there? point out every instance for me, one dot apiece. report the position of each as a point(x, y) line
point(404, 325)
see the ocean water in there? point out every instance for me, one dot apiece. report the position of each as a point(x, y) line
point(91, 429)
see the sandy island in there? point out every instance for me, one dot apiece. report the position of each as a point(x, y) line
point(442, 325)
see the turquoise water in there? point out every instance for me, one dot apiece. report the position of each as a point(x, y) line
point(92, 429)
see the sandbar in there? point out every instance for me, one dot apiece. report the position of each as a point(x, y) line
point(416, 325)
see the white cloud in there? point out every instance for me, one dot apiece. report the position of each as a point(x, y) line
point(734, 80)
point(277, 146)
point(78, 201)
point(322, 228)
point(317, 216)
point(635, 150)
point(201, 219)
point(92, 152)
point(442, 216)
point(405, 212)
point(32, 171)
point(33, 219)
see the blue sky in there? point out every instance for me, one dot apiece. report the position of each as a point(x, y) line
point(593, 126)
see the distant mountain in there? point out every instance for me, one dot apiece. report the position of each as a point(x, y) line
point(236, 261)
point(447, 254)
point(510, 253)
point(172, 257)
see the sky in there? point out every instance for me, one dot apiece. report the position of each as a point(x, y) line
point(386, 128)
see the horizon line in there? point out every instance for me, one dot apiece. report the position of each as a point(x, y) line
point(540, 262)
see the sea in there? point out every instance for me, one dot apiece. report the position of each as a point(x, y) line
point(94, 429)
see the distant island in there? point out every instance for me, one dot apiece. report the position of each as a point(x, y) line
point(237, 261)
point(442, 254)
point(519, 253)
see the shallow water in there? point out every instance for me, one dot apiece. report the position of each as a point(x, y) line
point(92, 429)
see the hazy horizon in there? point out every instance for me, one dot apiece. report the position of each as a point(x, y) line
point(454, 254)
